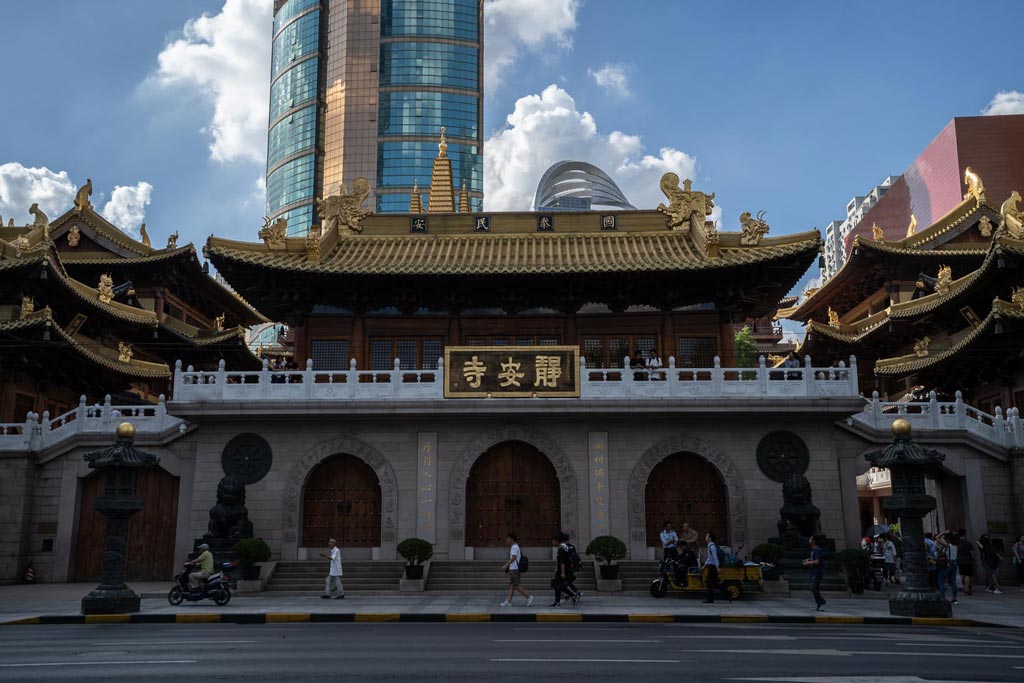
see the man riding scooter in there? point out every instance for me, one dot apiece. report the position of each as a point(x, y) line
point(205, 563)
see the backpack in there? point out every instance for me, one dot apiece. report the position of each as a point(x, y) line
point(524, 563)
point(722, 558)
point(575, 561)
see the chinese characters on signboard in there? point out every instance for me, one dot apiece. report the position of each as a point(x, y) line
point(511, 371)
point(426, 486)
point(598, 456)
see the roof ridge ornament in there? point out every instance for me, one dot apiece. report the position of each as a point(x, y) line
point(688, 208)
point(145, 236)
point(313, 244)
point(172, 240)
point(944, 280)
point(753, 228)
point(82, 196)
point(877, 234)
point(274, 234)
point(921, 347)
point(344, 210)
point(41, 221)
point(975, 188)
point(912, 228)
point(1012, 217)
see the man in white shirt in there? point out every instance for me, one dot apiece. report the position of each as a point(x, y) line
point(669, 541)
point(515, 556)
point(711, 565)
point(334, 576)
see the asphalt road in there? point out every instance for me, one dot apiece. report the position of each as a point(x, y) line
point(509, 652)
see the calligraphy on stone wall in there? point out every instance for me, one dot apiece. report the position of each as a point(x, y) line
point(426, 486)
point(511, 371)
point(599, 497)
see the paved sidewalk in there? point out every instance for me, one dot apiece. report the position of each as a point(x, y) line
point(62, 600)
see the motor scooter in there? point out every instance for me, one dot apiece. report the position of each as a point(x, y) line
point(217, 587)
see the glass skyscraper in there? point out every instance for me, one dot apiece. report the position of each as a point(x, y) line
point(361, 88)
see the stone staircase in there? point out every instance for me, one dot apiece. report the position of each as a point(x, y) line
point(479, 576)
point(637, 575)
point(360, 576)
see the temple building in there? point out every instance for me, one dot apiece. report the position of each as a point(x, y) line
point(938, 310)
point(459, 374)
point(87, 310)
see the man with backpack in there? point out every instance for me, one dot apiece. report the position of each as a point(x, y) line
point(517, 563)
point(565, 575)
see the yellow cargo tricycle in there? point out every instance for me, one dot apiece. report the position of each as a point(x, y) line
point(733, 580)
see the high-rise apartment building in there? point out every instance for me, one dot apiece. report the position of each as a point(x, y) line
point(836, 231)
point(361, 88)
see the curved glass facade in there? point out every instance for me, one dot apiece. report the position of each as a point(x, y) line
point(295, 74)
point(442, 64)
point(407, 112)
point(439, 18)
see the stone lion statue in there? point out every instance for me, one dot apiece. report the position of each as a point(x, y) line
point(798, 516)
point(229, 518)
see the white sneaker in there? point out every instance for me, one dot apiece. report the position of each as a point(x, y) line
point(997, 592)
point(988, 590)
point(505, 604)
point(529, 601)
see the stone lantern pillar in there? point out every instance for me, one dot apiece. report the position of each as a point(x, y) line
point(908, 463)
point(120, 464)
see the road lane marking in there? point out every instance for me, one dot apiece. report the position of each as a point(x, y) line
point(598, 661)
point(972, 643)
point(174, 642)
point(145, 661)
point(559, 640)
point(825, 652)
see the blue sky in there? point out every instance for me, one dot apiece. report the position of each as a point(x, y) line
point(789, 107)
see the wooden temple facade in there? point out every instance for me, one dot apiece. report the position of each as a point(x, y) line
point(88, 310)
point(939, 310)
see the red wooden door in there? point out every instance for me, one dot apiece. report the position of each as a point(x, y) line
point(685, 488)
point(512, 487)
point(342, 500)
point(151, 531)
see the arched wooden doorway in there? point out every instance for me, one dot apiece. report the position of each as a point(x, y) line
point(512, 487)
point(151, 532)
point(341, 500)
point(685, 487)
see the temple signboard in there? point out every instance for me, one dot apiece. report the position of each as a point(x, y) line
point(511, 371)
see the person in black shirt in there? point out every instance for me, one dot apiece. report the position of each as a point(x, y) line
point(564, 576)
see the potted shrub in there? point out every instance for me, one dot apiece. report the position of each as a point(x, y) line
point(607, 549)
point(855, 563)
point(771, 554)
point(250, 552)
point(415, 551)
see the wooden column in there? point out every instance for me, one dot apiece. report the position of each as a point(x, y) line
point(569, 333)
point(668, 337)
point(454, 336)
point(726, 340)
point(357, 346)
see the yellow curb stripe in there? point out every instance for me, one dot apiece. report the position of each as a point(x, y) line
point(838, 620)
point(380, 616)
point(197, 618)
point(559, 617)
point(286, 617)
point(650, 618)
point(467, 617)
point(107, 618)
point(939, 621)
point(20, 622)
point(744, 618)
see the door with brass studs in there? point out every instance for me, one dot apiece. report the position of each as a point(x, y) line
point(342, 500)
point(512, 487)
point(685, 487)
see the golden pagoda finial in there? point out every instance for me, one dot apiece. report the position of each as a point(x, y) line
point(442, 147)
point(912, 228)
point(877, 233)
point(442, 188)
point(464, 198)
point(415, 199)
point(975, 188)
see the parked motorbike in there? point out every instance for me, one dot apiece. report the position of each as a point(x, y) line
point(217, 587)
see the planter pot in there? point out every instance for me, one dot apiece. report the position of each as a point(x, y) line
point(250, 572)
point(609, 572)
point(414, 571)
point(772, 574)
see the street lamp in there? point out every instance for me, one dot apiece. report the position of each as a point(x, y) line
point(118, 503)
point(908, 463)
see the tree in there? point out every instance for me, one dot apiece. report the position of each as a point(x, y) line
point(746, 349)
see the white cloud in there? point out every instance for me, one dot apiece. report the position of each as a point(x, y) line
point(612, 77)
point(546, 128)
point(127, 206)
point(1005, 102)
point(21, 186)
point(511, 26)
point(226, 59)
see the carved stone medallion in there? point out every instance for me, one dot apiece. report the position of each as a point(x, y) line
point(247, 457)
point(781, 454)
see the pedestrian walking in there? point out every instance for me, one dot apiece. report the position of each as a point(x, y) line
point(933, 570)
point(942, 564)
point(990, 559)
point(669, 541)
point(711, 564)
point(575, 564)
point(889, 558)
point(965, 561)
point(815, 568)
point(334, 575)
point(563, 578)
point(1018, 560)
point(515, 559)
